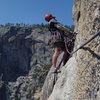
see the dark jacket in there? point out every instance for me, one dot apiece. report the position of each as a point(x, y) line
point(57, 34)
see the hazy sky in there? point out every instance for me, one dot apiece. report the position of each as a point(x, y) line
point(33, 11)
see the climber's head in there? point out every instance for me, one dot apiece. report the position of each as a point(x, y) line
point(48, 17)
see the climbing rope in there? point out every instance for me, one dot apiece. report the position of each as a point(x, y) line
point(89, 40)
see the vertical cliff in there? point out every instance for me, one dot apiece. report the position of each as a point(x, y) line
point(24, 61)
point(80, 77)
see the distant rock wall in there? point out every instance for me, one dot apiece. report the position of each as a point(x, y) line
point(80, 77)
point(24, 60)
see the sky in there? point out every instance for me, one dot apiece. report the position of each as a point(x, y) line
point(33, 11)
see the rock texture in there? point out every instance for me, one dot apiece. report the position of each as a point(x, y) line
point(80, 77)
point(25, 59)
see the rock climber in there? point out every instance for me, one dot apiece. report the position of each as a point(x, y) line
point(57, 30)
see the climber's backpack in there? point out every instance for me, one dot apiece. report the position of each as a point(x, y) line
point(61, 33)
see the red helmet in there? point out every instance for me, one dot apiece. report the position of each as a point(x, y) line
point(48, 17)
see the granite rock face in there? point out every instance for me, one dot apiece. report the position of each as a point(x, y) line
point(80, 77)
point(25, 59)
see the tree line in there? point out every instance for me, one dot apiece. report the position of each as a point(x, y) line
point(33, 25)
